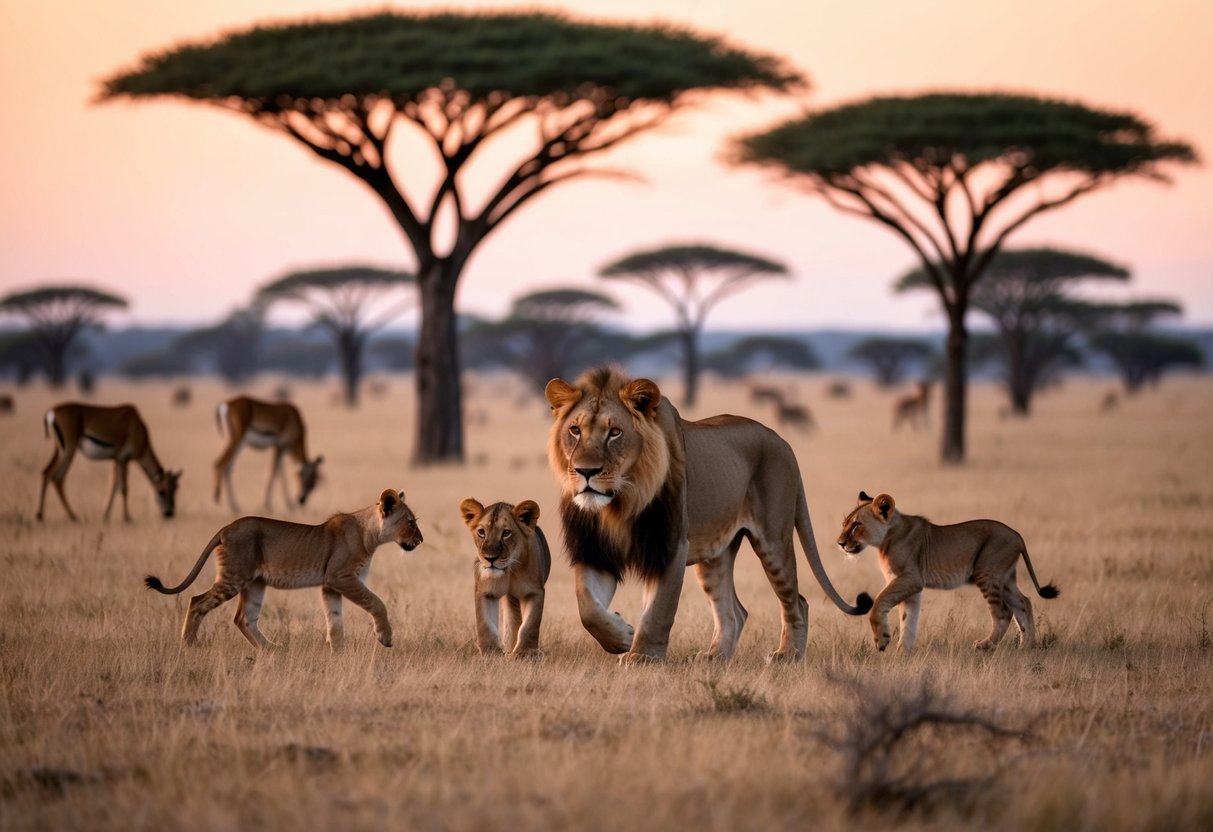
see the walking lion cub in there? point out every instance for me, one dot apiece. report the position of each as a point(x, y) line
point(512, 565)
point(255, 552)
point(916, 554)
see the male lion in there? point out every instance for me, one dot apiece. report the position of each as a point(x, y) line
point(643, 491)
point(512, 565)
point(255, 552)
point(915, 553)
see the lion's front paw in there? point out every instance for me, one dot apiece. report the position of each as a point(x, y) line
point(984, 644)
point(533, 654)
point(705, 657)
point(631, 657)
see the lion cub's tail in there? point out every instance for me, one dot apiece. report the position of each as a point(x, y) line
point(153, 582)
point(1046, 591)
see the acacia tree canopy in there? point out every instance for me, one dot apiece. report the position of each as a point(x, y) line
point(339, 87)
point(57, 315)
point(692, 279)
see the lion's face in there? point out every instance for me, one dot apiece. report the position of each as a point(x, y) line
point(867, 525)
point(605, 446)
point(501, 531)
point(399, 522)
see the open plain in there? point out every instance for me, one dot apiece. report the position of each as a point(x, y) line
point(107, 722)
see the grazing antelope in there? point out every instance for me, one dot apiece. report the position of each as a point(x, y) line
point(115, 433)
point(6, 403)
point(182, 396)
point(795, 415)
point(261, 424)
point(912, 408)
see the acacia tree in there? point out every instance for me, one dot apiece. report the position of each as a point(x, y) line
point(340, 87)
point(888, 356)
point(234, 344)
point(1027, 294)
point(954, 175)
point(554, 333)
point(56, 316)
point(347, 302)
point(692, 279)
point(1143, 357)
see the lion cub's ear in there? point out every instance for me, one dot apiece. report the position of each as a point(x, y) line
point(559, 393)
point(470, 510)
point(643, 396)
point(883, 504)
point(864, 498)
point(388, 501)
point(527, 513)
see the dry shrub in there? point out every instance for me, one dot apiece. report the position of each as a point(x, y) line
point(903, 751)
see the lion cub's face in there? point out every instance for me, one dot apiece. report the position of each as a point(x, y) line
point(599, 435)
point(867, 525)
point(502, 532)
point(399, 522)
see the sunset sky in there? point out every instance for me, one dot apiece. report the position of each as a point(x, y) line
point(185, 209)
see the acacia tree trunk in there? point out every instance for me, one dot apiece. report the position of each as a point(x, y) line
point(955, 380)
point(56, 362)
point(690, 365)
point(349, 345)
point(1019, 380)
point(439, 402)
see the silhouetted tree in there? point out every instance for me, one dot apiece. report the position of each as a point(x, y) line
point(347, 302)
point(1143, 357)
point(548, 334)
point(762, 353)
point(340, 86)
point(954, 175)
point(234, 344)
point(56, 316)
point(21, 354)
point(1027, 294)
point(692, 279)
point(888, 357)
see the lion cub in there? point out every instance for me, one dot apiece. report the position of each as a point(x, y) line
point(255, 552)
point(915, 554)
point(512, 565)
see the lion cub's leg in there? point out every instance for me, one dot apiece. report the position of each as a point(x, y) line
point(527, 643)
point(716, 579)
point(488, 615)
point(248, 612)
point(1000, 613)
point(511, 622)
point(896, 591)
point(350, 587)
point(595, 589)
point(1021, 608)
point(909, 622)
point(335, 630)
point(226, 587)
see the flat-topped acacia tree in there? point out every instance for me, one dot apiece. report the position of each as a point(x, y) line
point(56, 316)
point(692, 280)
point(954, 175)
point(340, 87)
point(1028, 293)
point(348, 302)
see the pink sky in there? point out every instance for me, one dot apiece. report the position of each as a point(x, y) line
point(185, 209)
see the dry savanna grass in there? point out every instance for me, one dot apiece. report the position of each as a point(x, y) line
point(109, 723)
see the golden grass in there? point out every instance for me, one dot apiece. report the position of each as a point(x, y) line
point(107, 723)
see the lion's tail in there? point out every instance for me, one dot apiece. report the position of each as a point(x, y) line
point(1046, 591)
point(804, 527)
point(153, 582)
